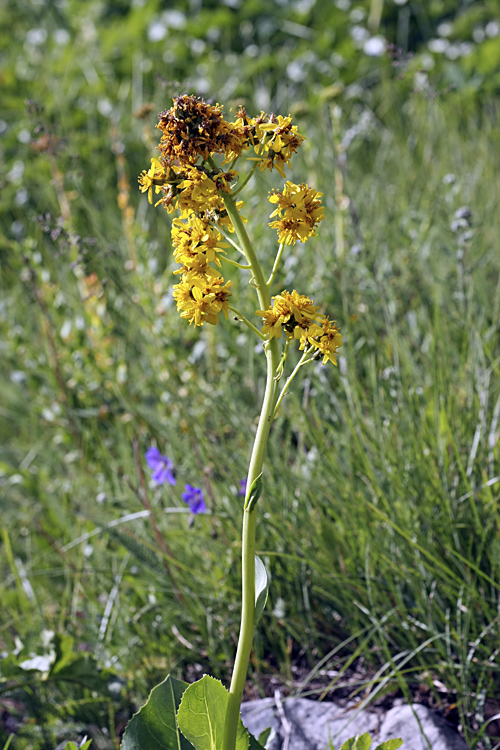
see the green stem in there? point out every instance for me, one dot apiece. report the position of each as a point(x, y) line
point(247, 178)
point(247, 323)
point(235, 263)
point(248, 557)
point(249, 515)
point(276, 264)
point(260, 282)
point(302, 361)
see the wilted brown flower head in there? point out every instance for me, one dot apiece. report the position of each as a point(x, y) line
point(192, 128)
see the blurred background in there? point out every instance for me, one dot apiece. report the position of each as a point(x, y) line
point(379, 526)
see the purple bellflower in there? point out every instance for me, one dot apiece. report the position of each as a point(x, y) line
point(161, 465)
point(243, 487)
point(193, 496)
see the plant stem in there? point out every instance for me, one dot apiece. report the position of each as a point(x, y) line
point(247, 323)
point(250, 515)
point(276, 264)
point(302, 361)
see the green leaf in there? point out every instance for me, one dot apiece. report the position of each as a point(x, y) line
point(202, 713)
point(264, 736)
point(261, 588)
point(259, 744)
point(362, 742)
point(390, 744)
point(255, 493)
point(64, 653)
point(154, 727)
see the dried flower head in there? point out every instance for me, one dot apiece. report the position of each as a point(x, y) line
point(192, 129)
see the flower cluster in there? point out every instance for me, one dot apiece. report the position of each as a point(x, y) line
point(281, 140)
point(189, 181)
point(192, 128)
point(298, 212)
point(298, 317)
point(161, 467)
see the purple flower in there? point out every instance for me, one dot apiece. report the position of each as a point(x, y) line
point(193, 496)
point(161, 465)
point(243, 487)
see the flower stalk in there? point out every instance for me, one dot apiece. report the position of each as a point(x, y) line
point(247, 626)
point(194, 133)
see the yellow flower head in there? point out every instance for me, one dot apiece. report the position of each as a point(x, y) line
point(196, 243)
point(200, 299)
point(324, 337)
point(298, 212)
point(289, 311)
point(277, 140)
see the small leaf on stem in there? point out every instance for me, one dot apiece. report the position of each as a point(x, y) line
point(261, 588)
point(254, 494)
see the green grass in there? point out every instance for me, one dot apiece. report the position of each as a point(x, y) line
point(379, 520)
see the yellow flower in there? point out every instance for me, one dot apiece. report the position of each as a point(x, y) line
point(154, 177)
point(326, 338)
point(200, 299)
point(277, 140)
point(196, 243)
point(298, 212)
point(293, 312)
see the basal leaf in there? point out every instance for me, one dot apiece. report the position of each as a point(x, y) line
point(261, 588)
point(258, 744)
point(154, 727)
point(390, 744)
point(202, 713)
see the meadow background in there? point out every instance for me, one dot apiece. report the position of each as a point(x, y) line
point(380, 527)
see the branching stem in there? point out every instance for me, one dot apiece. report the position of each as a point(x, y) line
point(247, 323)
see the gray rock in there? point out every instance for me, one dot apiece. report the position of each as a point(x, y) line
point(411, 723)
point(300, 724)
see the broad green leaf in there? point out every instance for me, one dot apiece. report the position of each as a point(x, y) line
point(255, 493)
point(260, 743)
point(390, 744)
point(202, 713)
point(254, 744)
point(261, 588)
point(154, 727)
point(362, 742)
